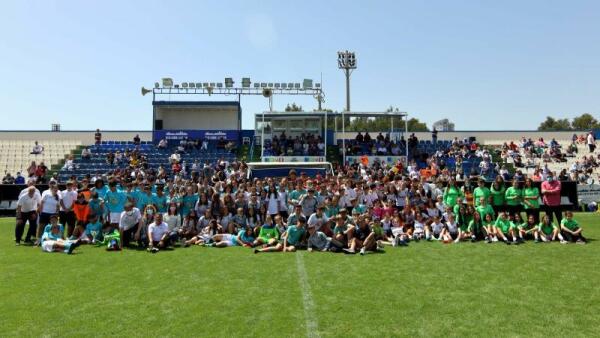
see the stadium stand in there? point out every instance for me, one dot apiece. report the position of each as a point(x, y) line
point(15, 155)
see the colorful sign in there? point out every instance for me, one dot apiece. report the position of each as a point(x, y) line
point(280, 159)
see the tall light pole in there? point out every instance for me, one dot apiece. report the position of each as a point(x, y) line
point(346, 62)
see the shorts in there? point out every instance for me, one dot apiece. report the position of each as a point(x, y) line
point(115, 217)
point(453, 235)
point(229, 239)
point(48, 246)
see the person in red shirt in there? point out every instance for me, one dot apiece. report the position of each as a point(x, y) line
point(551, 196)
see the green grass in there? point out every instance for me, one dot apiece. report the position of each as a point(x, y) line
point(427, 289)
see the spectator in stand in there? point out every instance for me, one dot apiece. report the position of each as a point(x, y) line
point(360, 138)
point(8, 179)
point(591, 141)
point(163, 144)
point(204, 145)
point(86, 154)
point(40, 172)
point(98, 137)
point(19, 179)
point(551, 197)
point(136, 140)
point(31, 169)
point(69, 163)
point(37, 149)
point(434, 135)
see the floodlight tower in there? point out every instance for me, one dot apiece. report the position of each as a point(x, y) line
point(347, 62)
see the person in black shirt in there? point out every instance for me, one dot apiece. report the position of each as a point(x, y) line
point(363, 238)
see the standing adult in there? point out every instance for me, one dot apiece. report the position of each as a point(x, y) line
point(49, 206)
point(591, 141)
point(551, 197)
point(67, 215)
point(98, 136)
point(27, 207)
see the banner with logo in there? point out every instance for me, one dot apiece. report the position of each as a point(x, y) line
point(369, 160)
point(587, 193)
point(176, 135)
point(280, 159)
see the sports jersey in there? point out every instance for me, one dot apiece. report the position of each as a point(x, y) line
point(547, 228)
point(267, 232)
point(480, 192)
point(115, 201)
point(294, 234)
point(504, 224)
point(532, 192)
point(570, 224)
point(497, 196)
point(513, 196)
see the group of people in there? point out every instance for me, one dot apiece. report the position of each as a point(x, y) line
point(305, 144)
point(359, 210)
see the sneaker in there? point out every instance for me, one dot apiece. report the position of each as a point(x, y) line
point(562, 241)
point(362, 251)
point(154, 250)
point(256, 251)
point(395, 242)
point(580, 241)
point(73, 246)
point(488, 240)
point(495, 239)
point(17, 243)
point(349, 251)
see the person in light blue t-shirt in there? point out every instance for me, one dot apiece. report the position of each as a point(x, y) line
point(160, 200)
point(93, 230)
point(114, 201)
point(53, 239)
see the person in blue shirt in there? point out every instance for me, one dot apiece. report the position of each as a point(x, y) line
point(93, 230)
point(144, 198)
point(114, 201)
point(100, 188)
point(96, 205)
point(160, 200)
point(245, 238)
point(53, 238)
point(188, 202)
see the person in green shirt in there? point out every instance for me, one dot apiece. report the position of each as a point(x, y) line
point(513, 196)
point(527, 229)
point(549, 231)
point(497, 193)
point(484, 208)
point(451, 194)
point(268, 235)
point(481, 192)
point(571, 230)
point(531, 200)
point(505, 229)
point(291, 239)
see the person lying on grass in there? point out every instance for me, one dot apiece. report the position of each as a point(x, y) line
point(318, 241)
point(506, 230)
point(245, 238)
point(571, 230)
point(53, 240)
point(205, 235)
point(363, 238)
point(291, 240)
point(549, 232)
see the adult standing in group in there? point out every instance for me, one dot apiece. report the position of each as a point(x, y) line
point(591, 141)
point(98, 137)
point(551, 196)
point(48, 207)
point(27, 207)
point(67, 215)
point(531, 200)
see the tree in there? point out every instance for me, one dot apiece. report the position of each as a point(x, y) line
point(415, 125)
point(552, 124)
point(293, 107)
point(585, 122)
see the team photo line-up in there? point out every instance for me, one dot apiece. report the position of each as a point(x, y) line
point(356, 211)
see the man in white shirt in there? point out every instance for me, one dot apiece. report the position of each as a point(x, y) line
point(37, 149)
point(318, 219)
point(130, 225)
point(27, 207)
point(67, 215)
point(591, 142)
point(158, 234)
point(30, 183)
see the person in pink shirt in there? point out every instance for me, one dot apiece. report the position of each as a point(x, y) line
point(551, 196)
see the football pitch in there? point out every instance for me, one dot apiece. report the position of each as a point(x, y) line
point(426, 289)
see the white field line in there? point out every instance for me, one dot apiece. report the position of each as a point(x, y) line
point(312, 327)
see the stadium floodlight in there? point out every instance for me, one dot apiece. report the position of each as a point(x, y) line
point(246, 82)
point(297, 85)
point(192, 85)
point(263, 85)
point(257, 85)
point(220, 85)
point(167, 82)
point(229, 82)
point(156, 85)
point(347, 62)
point(307, 83)
point(198, 85)
point(184, 85)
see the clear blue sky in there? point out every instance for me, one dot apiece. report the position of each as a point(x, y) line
point(483, 64)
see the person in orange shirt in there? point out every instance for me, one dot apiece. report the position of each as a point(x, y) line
point(81, 209)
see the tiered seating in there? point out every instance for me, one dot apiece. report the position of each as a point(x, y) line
point(15, 155)
point(156, 157)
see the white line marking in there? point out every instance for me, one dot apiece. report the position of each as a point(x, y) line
point(312, 327)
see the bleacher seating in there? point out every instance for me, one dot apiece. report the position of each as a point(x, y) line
point(156, 157)
point(15, 155)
